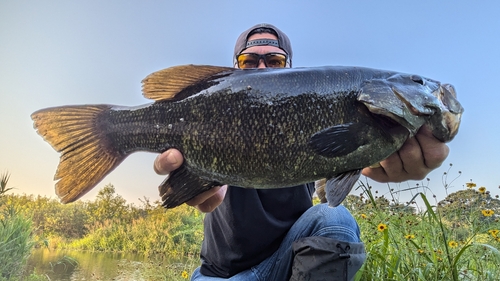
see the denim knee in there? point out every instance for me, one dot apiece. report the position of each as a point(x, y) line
point(336, 223)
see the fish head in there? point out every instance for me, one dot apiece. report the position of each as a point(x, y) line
point(413, 101)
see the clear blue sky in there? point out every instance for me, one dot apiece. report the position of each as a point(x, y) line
point(76, 52)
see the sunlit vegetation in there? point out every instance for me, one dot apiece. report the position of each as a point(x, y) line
point(453, 239)
point(456, 238)
point(109, 224)
point(15, 237)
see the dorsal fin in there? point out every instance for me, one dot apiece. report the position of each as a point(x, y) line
point(166, 83)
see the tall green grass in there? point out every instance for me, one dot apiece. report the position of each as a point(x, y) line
point(15, 243)
point(424, 244)
point(15, 237)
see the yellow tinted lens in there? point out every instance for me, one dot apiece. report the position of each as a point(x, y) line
point(275, 60)
point(248, 60)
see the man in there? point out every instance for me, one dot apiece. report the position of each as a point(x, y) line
point(277, 234)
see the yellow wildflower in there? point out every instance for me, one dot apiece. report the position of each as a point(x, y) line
point(381, 227)
point(409, 236)
point(420, 251)
point(470, 184)
point(482, 189)
point(452, 244)
point(185, 274)
point(364, 216)
point(493, 232)
point(487, 213)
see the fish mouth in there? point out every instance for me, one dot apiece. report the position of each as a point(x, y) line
point(443, 109)
point(445, 123)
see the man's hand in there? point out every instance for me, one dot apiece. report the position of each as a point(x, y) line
point(206, 201)
point(416, 158)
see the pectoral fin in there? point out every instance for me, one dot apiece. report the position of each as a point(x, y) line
point(337, 188)
point(339, 140)
point(181, 186)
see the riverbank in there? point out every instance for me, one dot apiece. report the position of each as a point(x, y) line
point(70, 265)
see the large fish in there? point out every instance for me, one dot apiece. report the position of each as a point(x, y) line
point(260, 128)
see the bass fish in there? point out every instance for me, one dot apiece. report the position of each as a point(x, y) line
point(254, 128)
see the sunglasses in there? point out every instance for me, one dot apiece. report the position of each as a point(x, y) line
point(252, 60)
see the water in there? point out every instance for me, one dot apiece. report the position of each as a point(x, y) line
point(76, 265)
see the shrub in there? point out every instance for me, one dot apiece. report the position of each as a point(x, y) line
point(15, 238)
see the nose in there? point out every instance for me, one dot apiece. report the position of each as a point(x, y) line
point(261, 64)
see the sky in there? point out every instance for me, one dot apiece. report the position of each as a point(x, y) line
point(55, 53)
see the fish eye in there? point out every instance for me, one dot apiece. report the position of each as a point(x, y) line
point(417, 79)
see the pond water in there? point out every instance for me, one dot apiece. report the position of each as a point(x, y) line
point(75, 265)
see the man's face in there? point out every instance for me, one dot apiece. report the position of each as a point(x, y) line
point(262, 50)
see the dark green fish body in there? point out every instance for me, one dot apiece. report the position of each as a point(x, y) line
point(263, 128)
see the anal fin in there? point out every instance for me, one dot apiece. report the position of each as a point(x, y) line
point(338, 187)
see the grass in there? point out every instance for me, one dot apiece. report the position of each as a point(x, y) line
point(425, 239)
point(15, 238)
point(406, 244)
point(15, 243)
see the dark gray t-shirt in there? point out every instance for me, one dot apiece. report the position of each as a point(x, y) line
point(249, 226)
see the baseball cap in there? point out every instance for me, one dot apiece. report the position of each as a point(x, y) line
point(283, 42)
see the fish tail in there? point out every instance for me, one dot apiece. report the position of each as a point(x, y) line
point(87, 155)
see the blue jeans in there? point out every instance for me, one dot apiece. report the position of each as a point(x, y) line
point(320, 220)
